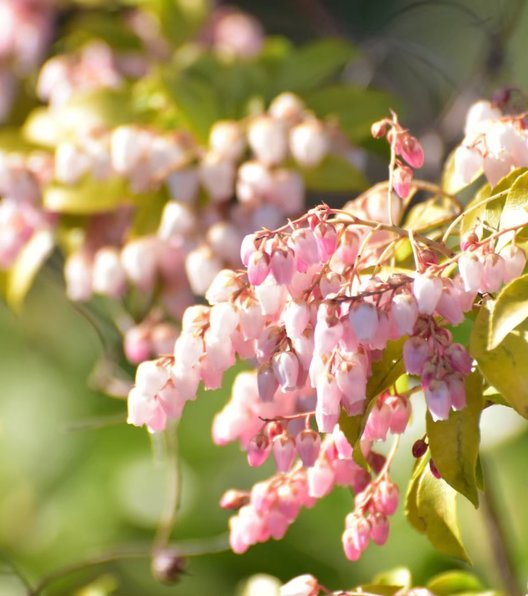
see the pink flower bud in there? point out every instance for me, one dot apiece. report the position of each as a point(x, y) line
point(459, 358)
point(267, 383)
point(492, 272)
point(471, 271)
point(251, 320)
point(379, 528)
point(258, 267)
point(411, 151)
point(288, 107)
point(347, 249)
point(320, 480)
point(514, 262)
point(415, 354)
point(378, 423)
point(326, 238)
point(308, 446)
point(364, 319)
point(427, 291)
point(328, 404)
point(223, 287)
point(400, 408)
point(359, 528)
point(457, 391)
point(258, 450)
point(284, 452)
point(267, 138)
point(137, 344)
point(404, 312)
point(402, 180)
point(286, 191)
point(309, 143)
point(296, 317)
point(351, 552)
point(268, 342)
point(438, 400)
point(183, 185)
point(305, 245)
point(386, 497)
point(351, 379)
point(286, 370)
point(283, 265)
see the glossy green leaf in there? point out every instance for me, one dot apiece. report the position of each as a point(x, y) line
point(454, 582)
point(388, 370)
point(351, 426)
point(436, 512)
point(334, 174)
point(515, 209)
point(509, 311)
point(454, 443)
point(355, 108)
point(86, 197)
point(304, 68)
point(22, 273)
point(504, 367)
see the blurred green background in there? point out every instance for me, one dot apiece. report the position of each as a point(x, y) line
point(77, 482)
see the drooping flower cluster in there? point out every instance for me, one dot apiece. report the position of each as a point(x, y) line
point(315, 319)
point(494, 143)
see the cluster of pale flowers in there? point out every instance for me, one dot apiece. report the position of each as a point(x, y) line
point(495, 143)
point(315, 324)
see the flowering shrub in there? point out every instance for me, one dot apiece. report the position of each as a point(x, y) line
point(177, 166)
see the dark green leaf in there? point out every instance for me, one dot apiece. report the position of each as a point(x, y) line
point(454, 443)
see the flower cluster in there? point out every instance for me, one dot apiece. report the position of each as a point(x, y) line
point(494, 143)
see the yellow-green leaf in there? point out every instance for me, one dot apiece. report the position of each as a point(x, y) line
point(399, 576)
point(86, 197)
point(436, 510)
point(509, 311)
point(515, 210)
point(454, 443)
point(22, 273)
point(505, 366)
point(454, 582)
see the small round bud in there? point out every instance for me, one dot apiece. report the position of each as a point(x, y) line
point(419, 448)
point(168, 566)
point(434, 470)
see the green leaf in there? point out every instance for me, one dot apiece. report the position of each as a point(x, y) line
point(355, 108)
point(411, 497)
point(306, 67)
point(454, 582)
point(22, 273)
point(515, 210)
point(454, 443)
point(436, 513)
point(87, 197)
point(196, 102)
point(509, 311)
point(351, 426)
point(334, 174)
point(11, 141)
point(504, 367)
point(399, 576)
point(378, 589)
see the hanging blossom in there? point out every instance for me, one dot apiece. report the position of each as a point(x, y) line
point(495, 143)
point(314, 318)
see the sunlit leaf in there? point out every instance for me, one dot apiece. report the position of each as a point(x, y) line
point(22, 273)
point(504, 367)
point(509, 310)
point(515, 209)
point(399, 576)
point(86, 197)
point(454, 443)
point(454, 582)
